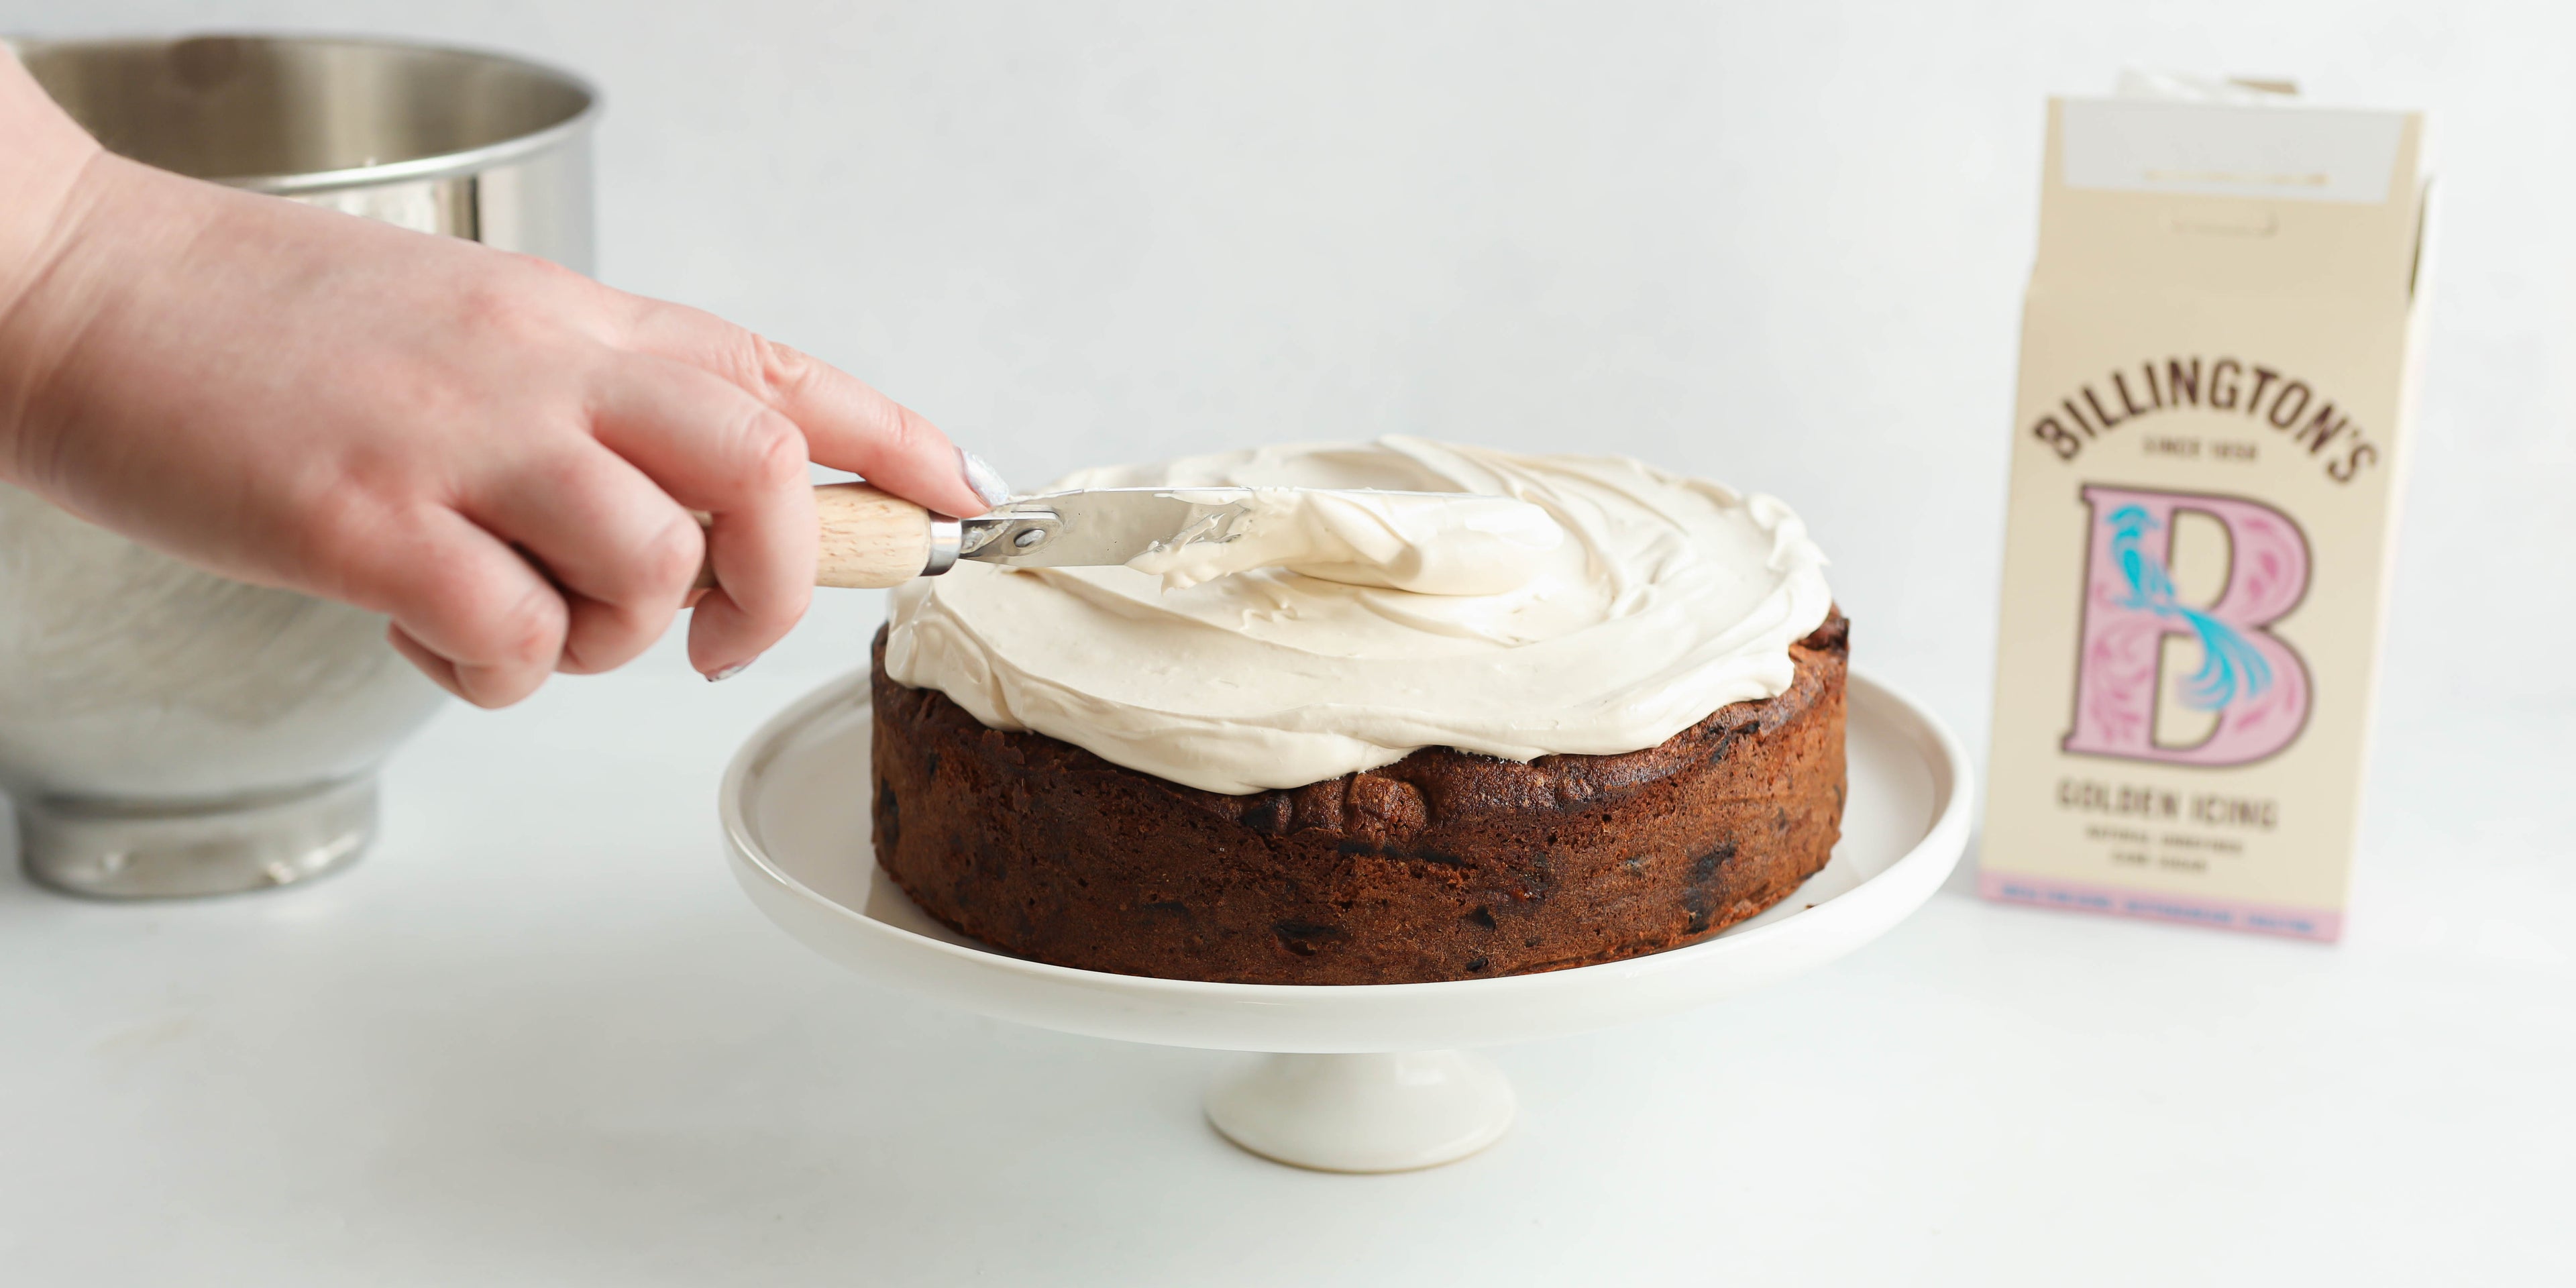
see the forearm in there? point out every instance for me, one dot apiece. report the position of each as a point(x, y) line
point(43, 159)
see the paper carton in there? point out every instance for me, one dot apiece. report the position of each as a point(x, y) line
point(2209, 444)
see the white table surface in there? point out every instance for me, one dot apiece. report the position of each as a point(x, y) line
point(539, 1037)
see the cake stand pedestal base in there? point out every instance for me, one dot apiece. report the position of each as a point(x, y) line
point(1390, 1112)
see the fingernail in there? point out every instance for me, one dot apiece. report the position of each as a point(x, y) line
point(986, 480)
point(730, 671)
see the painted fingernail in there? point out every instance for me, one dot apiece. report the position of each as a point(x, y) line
point(986, 480)
point(729, 672)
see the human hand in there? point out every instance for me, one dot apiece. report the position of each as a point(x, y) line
point(498, 453)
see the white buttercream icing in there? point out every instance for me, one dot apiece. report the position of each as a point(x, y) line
point(1425, 542)
point(1667, 599)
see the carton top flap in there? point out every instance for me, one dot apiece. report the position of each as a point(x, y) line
point(2231, 196)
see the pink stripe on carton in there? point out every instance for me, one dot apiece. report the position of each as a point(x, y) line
point(2224, 914)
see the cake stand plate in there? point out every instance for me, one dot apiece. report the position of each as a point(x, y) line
point(1359, 1078)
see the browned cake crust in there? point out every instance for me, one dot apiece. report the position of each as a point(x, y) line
point(1443, 865)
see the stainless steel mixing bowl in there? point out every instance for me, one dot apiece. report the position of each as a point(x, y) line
point(164, 731)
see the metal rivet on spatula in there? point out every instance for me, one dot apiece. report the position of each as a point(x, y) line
point(1029, 537)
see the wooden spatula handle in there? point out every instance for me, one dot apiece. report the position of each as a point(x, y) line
point(870, 539)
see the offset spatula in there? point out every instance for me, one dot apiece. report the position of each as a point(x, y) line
point(872, 539)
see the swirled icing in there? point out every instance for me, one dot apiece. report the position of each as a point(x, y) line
point(1668, 598)
point(1423, 542)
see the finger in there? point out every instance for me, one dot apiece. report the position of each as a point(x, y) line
point(847, 425)
point(619, 547)
point(717, 449)
point(438, 669)
point(490, 625)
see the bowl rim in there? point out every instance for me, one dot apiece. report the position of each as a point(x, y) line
point(440, 165)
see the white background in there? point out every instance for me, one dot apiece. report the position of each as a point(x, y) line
point(538, 1038)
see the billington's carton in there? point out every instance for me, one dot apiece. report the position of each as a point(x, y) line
point(2217, 370)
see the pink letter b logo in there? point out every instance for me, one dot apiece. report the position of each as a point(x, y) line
point(2255, 683)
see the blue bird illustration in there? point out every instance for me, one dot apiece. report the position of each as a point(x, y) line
point(2231, 668)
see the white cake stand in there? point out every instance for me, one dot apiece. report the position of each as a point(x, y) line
point(1362, 1078)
